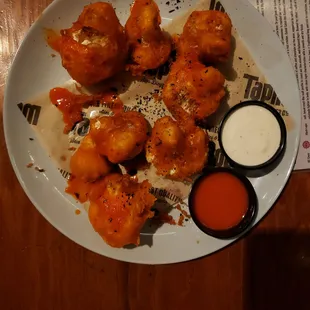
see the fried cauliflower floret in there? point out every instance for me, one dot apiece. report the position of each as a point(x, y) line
point(119, 208)
point(177, 150)
point(120, 137)
point(195, 88)
point(95, 47)
point(149, 46)
point(87, 164)
point(211, 32)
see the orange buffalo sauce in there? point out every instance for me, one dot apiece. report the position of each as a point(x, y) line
point(79, 189)
point(71, 104)
point(53, 39)
point(68, 104)
point(220, 201)
point(112, 101)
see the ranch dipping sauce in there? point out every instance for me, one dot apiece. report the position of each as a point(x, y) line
point(251, 135)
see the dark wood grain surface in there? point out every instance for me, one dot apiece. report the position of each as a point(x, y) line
point(42, 269)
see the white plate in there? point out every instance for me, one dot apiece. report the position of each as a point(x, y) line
point(34, 71)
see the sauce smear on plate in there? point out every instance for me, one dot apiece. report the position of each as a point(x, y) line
point(71, 104)
point(220, 201)
point(53, 39)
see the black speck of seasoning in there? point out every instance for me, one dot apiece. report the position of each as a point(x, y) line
point(177, 8)
point(186, 220)
point(206, 71)
point(31, 139)
point(115, 231)
point(171, 11)
point(159, 143)
point(168, 2)
point(178, 1)
point(240, 58)
point(39, 169)
point(110, 219)
point(139, 41)
point(77, 195)
point(132, 172)
point(156, 212)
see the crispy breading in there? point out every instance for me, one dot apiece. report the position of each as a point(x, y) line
point(149, 46)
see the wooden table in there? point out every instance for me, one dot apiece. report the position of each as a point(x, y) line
point(42, 269)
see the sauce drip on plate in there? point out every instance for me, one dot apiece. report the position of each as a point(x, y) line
point(71, 104)
point(220, 201)
point(53, 39)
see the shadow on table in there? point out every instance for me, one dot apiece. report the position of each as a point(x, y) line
point(277, 271)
